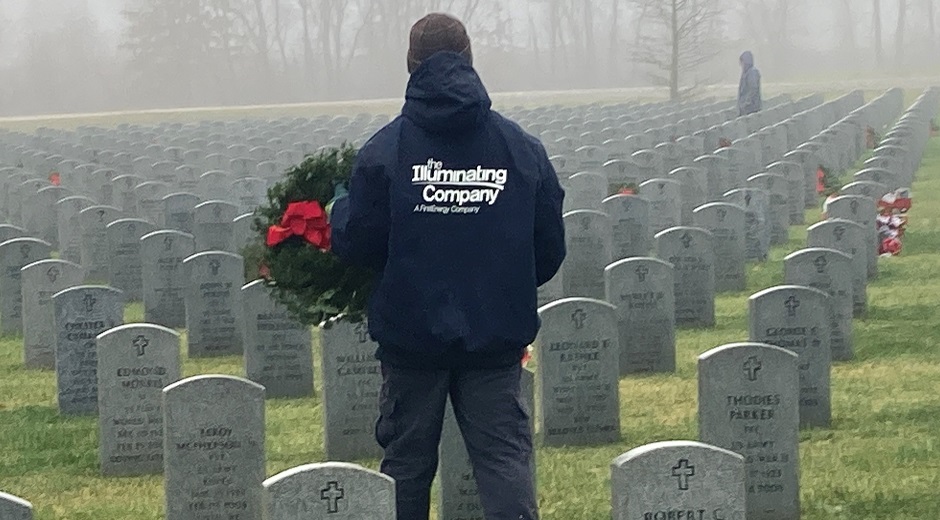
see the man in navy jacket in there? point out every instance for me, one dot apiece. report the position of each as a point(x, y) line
point(459, 211)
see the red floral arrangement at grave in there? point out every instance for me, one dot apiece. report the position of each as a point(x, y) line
point(292, 248)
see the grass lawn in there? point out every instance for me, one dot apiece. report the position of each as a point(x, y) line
point(880, 460)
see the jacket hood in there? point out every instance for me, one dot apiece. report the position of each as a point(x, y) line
point(747, 60)
point(445, 95)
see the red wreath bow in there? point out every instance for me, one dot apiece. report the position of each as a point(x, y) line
point(303, 219)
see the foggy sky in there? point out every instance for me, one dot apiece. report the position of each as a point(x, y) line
point(71, 55)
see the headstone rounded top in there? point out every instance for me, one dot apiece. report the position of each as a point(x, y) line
point(678, 229)
point(24, 240)
point(98, 207)
point(123, 221)
point(570, 301)
point(39, 264)
point(200, 256)
point(181, 194)
point(635, 260)
point(782, 288)
point(213, 202)
point(13, 499)
point(137, 327)
point(592, 212)
point(324, 466)
point(624, 197)
point(730, 347)
point(78, 288)
point(815, 251)
point(658, 180)
point(75, 198)
point(163, 232)
point(829, 222)
point(648, 449)
point(710, 205)
point(254, 283)
point(207, 379)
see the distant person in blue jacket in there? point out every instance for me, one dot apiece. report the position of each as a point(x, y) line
point(749, 98)
point(459, 211)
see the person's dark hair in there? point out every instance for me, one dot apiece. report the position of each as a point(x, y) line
point(437, 32)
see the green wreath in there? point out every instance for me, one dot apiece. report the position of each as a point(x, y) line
point(308, 280)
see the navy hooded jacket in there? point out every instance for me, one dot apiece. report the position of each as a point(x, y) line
point(459, 211)
point(749, 96)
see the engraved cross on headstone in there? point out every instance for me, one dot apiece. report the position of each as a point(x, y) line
point(752, 366)
point(140, 343)
point(686, 240)
point(332, 494)
point(821, 264)
point(89, 301)
point(683, 471)
point(578, 318)
point(792, 305)
point(362, 332)
point(214, 266)
point(641, 273)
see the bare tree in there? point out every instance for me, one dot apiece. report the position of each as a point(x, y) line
point(679, 37)
point(613, 63)
point(899, 34)
point(876, 29)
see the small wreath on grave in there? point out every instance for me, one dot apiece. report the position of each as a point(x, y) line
point(291, 250)
point(827, 183)
point(631, 188)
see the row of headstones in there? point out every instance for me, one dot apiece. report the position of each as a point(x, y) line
point(25, 197)
point(199, 145)
point(745, 225)
point(810, 319)
point(130, 254)
point(104, 183)
point(749, 405)
point(213, 431)
point(154, 154)
point(118, 371)
point(243, 146)
point(559, 133)
point(675, 146)
point(748, 402)
point(726, 169)
point(204, 292)
point(646, 297)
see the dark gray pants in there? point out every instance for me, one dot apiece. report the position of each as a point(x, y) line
point(495, 426)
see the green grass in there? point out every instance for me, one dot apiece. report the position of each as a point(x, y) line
point(879, 460)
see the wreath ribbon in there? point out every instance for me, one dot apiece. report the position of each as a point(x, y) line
point(303, 219)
